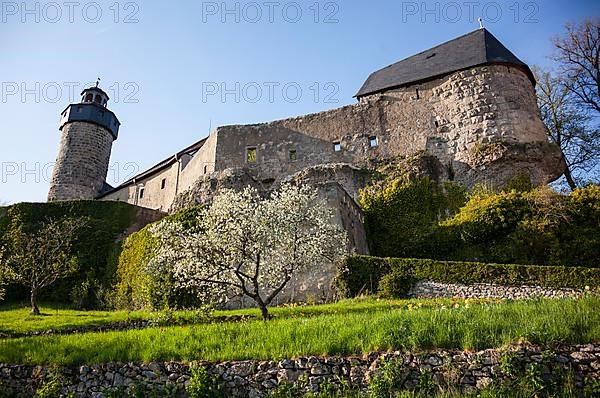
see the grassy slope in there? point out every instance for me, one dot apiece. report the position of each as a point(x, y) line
point(337, 332)
point(17, 319)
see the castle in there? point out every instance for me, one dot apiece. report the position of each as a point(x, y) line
point(469, 102)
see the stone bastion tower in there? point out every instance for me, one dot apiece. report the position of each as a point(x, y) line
point(88, 130)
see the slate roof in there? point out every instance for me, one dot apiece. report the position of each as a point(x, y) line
point(479, 47)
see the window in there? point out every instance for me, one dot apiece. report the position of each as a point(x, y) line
point(337, 146)
point(293, 155)
point(251, 155)
point(417, 93)
point(89, 97)
point(79, 109)
point(373, 142)
point(163, 183)
point(205, 169)
point(141, 192)
point(98, 99)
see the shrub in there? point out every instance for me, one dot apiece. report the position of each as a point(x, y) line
point(138, 287)
point(420, 218)
point(133, 288)
point(202, 385)
point(401, 215)
point(358, 273)
point(396, 284)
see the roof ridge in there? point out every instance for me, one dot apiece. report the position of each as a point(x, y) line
point(436, 46)
point(478, 47)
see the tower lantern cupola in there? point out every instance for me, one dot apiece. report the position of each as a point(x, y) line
point(92, 109)
point(94, 95)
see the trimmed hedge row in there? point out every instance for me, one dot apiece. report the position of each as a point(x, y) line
point(361, 274)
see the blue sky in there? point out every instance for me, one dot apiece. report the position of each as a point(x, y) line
point(175, 68)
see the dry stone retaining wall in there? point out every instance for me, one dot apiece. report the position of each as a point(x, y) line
point(426, 289)
point(467, 371)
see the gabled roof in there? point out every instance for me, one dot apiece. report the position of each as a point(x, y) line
point(154, 169)
point(479, 47)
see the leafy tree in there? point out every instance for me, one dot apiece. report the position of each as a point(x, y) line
point(578, 55)
point(4, 277)
point(38, 259)
point(248, 245)
point(569, 126)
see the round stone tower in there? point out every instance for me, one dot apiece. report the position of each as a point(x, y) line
point(88, 130)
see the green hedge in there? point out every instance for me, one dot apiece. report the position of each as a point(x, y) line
point(96, 247)
point(362, 274)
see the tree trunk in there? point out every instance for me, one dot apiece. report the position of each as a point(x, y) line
point(264, 311)
point(570, 180)
point(34, 307)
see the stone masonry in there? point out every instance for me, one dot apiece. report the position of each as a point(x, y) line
point(428, 289)
point(463, 370)
point(482, 123)
point(82, 162)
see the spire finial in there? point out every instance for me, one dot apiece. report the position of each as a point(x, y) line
point(97, 82)
point(480, 20)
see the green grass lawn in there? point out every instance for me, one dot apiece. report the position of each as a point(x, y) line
point(350, 327)
point(16, 319)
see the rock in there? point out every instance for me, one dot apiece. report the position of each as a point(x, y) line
point(269, 384)
point(243, 369)
point(582, 356)
point(149, 374)
point(434, 361)
point(118, 380)
point(561, 359)
point(320, 369)
point(287, 364)
point(483, 382)
point(467, 380)
point(154, 367)
point(289, 375)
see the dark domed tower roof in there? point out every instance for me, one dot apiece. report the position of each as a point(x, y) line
point(476, 48)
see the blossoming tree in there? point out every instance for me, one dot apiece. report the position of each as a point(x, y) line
point(248, 245)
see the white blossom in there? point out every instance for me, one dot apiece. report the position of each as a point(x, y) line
point(249, 245)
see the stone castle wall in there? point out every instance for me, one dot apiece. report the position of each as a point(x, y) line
point(482, 123)
point(82, 162)
point(469, 120)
